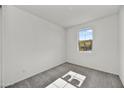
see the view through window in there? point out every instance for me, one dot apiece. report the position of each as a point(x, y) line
point(85, 39)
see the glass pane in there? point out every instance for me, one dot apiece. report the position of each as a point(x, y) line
point(85, 39)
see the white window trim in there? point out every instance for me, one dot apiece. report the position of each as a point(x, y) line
point(81, 52)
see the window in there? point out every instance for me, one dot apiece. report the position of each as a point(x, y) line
point(85, 39)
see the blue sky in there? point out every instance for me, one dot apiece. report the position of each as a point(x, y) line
point(85, 34)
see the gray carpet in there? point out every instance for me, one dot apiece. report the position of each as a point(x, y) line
point(94, 78)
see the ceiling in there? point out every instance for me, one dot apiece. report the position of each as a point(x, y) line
point(69, 15)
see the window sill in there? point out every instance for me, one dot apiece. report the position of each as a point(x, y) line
point(85, 52)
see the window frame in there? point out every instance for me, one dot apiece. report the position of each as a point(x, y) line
point(78, 39)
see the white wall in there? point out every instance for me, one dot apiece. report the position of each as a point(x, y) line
point(121, 23)
point(32, 45)
point(0, 45)
point(104, 55)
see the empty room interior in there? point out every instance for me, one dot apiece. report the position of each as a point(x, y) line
point(61, 46)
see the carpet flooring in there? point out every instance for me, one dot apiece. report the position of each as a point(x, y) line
point(94, 78)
